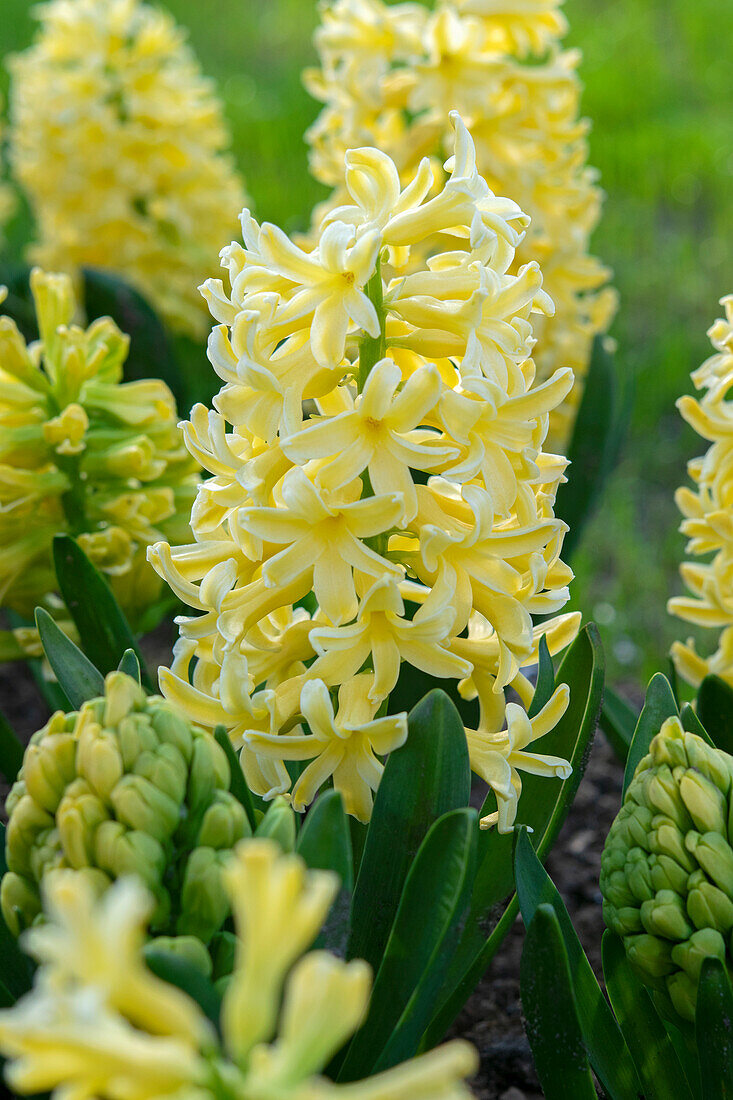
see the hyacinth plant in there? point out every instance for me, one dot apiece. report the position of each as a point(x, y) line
point(378, 521)
point(389, 74)
point(667, 885)
point(111, 94)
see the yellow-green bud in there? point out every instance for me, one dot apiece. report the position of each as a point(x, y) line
point(188, 948)
point(20, 900)
point(204, 901)
point(224, 823)
point(126, 785)
point(669, 893)
point(279, 824)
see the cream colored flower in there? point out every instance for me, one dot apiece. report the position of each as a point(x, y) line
point(119, 144)
point(708, 512)
point(408, 496)
point(285, 1013)
point(389, 76)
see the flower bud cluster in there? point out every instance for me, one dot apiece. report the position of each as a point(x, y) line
point(667, 866)
point(83, 453)
point(388, 75)
point(708, 512)
point(126, 785)
point(119, 143)
point(409, 518)
point(97, 1022)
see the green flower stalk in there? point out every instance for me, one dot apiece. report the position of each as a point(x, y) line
point(667, 866)
point(85, 453)
point(126, 785)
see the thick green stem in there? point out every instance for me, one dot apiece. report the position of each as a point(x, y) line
point(372, 348)
point(72, 501)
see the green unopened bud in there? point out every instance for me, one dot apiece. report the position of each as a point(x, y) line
point(690, 954)
point(638, 875)
point(224, 823)
point(650, 955)
point(120, 851)
point(665, 916)
point(166, 769)
point(666, 874)
point(20, 902)
point(682, 991)
point(122, 696)
point(204, 901)
point(99, 759)
point(48, 766)
point(663, 795)
point(188, 948)
point(706, 804)
point(172, 728)
point(46, 853)
point(135, 735)
point(209, 771)
point(279, 824)
point(668, 840)
point(715, 856)
point(28, 822)
point(142, 806)
point(708, 906)
point(713, 764)
point(79, 815)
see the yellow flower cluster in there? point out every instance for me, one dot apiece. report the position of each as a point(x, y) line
point(389, 75)
point(409, 518)
point(708, 512)
point(83, 453)
point(98, 1023)
point(119, 143)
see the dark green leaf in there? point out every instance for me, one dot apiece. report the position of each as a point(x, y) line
point(545, 680)
point(419, 947)
point(594, 446)
point(714, 1030)
point(130, 665)
point(76, 674)
point(422, 780)
point(618, 722)
point(715, 709)
point(543, 806)
point(659, 705)
point(659, 1069)
point(238, 785)
point(11, 750)
point(150, 354)
point(605, 1044)
point(185, 975)
point(325, 841)
point(692, 723)
point(551, 1016)
point(103, 629)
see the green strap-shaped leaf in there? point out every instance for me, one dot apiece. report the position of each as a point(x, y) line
point(692, 723)
point(324, 842)
point(714, 1031)
point(715, 708)
point(130, 665)
point(603, 1039)
point(428, 776)
point(618, 722)
point(238, 785)
point(76, 674)
point(103, 629)
point(594, 445)
point(659, 705)
point(543, 806)
point(545, 679)
point(11, 750)
point(659, 1069)
point(183, 974)
point(419, 947)
point(550, 1012)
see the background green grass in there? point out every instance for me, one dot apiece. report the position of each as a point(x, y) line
point(659, 90)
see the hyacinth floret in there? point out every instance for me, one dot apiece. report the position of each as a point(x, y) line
point(119, 143)
point(97, 1022)
point(84, 453)
point(389, 74)
point(408, 519)
point(708, 512)
point(667, 865)
point(126, 785)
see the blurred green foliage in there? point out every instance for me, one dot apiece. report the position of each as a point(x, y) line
point(658, 92)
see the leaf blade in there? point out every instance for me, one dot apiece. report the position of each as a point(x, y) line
point(77, 676)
